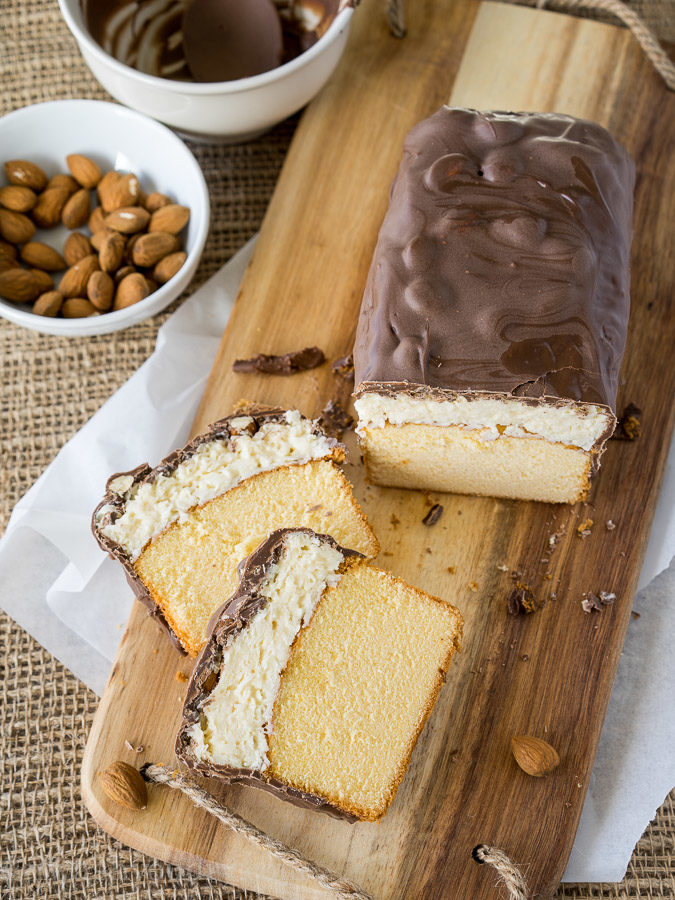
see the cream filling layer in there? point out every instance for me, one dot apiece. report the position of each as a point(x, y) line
point(236, 719)
point(578, 425)
point(213, 469)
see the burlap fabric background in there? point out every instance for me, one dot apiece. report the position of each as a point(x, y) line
point(49, 845)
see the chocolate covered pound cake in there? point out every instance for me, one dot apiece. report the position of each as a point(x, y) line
point(181, 528)
point(317, 677)
point(494, 319)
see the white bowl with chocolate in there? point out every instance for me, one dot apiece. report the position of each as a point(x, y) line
point(104, 214)
point(221, 71)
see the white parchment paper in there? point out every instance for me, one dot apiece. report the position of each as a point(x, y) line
point(58, 585)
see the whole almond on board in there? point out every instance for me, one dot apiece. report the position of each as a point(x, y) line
point(75, 279)
point(48, 304)
point(131, 290)
point(18, 285)
point(156, 201)
point(76, 247)
point(111, 252)
point(96, 222)
point(116, 190)
point(100, 290)
point(63, 181)
point(78, 308)
point(47, 211)
point(166, 268)
point(42, 256)
point(172, 218)
point(15, 227)
point(27, 174)
point(128, 219)
point(150, 248)
point(84, 170)
point(124, 784)
point(76, 211)
point(43, 279)
point(20, 199)
point(534, 756)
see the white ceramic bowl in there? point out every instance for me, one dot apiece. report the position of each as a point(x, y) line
point(228, 110)
point(117, 138)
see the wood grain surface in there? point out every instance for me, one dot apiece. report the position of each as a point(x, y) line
point(548, 674)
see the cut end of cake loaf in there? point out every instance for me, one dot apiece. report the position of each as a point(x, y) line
point(317, 678)
point(181, 528)
point(491, 445)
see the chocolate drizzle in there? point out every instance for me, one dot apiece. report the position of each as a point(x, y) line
point(115, 502)
point(230, 619)
point(502, 264)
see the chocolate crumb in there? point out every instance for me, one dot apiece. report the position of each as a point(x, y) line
point(181, 676)
point(427, 550)
point(635, 615)
point(451, 570)
point(334, 418)
point(344, 367)
point(607, 598)
point(502, 567)
point(473, 586)
point(597, 601)
point(524, 656)
point(521, 600)
point(128, 744)
point(387, 553)
point(609, 525)
point(395, 521)
point(287, 364)
point(629, 426)
point(433, 515)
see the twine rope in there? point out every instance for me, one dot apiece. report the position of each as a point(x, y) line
point(340, 887)
point(640, 31)
point(507, 871)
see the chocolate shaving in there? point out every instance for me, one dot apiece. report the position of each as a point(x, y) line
point(597, 601)
point(433, 515)
point(521, 600)
point(288, 364)
point(344, 367)
point(334, 418)
point(629, 426)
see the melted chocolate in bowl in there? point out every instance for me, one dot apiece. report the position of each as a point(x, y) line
point(206, 40)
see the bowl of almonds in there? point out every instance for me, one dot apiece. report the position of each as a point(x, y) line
point(103, 217)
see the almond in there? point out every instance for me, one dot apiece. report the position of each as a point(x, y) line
point(48, 304)
point(152, 284)
point(96, 222)
point(15, 227)
point(47, 211)
point(63, 181)
point(172, 218)
point(131, 290)
point(6, 263)
point(20, 199)
point(116, 190)
point(124, 784)
point(76, 211)
point(534, 756)
point(26, 174)
point(128, 219)
point(150, 248)
point(7, 251)
point(100, 290)
point(166, 268)
point(84, 170)
point(98, 238)
point(76, 247)
point(42, 256)
point(44, 281)
point(18, 285)
point(123, 272)
point(156, 201)
point(111, 251)
point(75, 279)
point(78, 308)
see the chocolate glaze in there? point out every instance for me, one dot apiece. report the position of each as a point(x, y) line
point(502, 264)
point(144, 474)
point(230, 619)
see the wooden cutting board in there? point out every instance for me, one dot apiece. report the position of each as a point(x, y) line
point(548, 674)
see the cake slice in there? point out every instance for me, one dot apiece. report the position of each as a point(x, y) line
point(181, 528)
point(317, 677)
point(494, 318)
